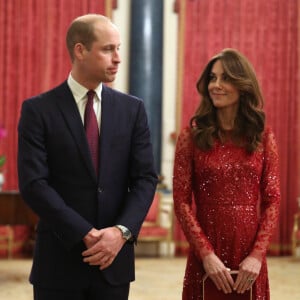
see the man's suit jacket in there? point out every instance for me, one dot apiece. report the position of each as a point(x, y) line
point(58, 181)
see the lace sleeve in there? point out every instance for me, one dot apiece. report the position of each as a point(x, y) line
point(182, 193)
point(270, 196)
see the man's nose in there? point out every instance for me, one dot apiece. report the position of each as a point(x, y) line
point(116, 56)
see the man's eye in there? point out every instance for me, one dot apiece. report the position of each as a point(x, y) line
point(109, 48)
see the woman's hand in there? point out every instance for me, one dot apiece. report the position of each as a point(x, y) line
point(218, 273)
point(248, 272)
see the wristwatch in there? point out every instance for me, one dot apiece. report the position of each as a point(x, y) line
point(126, 234)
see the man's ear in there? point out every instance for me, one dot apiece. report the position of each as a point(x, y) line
point(79, 50)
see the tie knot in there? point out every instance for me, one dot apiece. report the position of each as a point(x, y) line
point(91, 94)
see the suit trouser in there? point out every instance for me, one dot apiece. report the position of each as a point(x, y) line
point(101, 291)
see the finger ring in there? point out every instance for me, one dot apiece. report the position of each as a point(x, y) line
point(250, 279)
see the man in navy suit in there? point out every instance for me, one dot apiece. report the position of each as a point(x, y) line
point(89, 220)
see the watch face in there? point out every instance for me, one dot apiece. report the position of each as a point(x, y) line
point(125, 232)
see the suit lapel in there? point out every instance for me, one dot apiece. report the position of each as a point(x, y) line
point(107, 127)
point(69, 110)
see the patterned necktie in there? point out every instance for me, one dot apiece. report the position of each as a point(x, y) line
point(91, 129)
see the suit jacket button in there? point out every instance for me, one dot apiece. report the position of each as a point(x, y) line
point(100, 190)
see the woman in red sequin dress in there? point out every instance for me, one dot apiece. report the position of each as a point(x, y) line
point(226, 184)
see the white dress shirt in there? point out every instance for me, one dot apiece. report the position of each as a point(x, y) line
point(80, 95)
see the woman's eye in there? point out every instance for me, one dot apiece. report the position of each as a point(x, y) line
point(225, 77)
point(212, 77)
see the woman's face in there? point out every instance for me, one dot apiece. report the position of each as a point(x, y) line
point(222, 93)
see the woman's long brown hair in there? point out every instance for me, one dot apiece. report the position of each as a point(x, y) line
point(250, 120)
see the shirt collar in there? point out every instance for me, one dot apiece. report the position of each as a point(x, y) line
point(79, 91)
